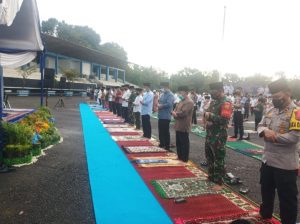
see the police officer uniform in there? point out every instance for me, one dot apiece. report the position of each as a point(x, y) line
point(280, 158)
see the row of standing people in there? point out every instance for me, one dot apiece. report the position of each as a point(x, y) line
point(280, 128)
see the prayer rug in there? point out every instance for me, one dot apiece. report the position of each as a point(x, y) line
point(120, 129)
point(118, 121)
point(116, 125)
point(239, 201)
point(14, 115)
point(157, 161)
point(143, 149)
point(127, 137)
point(137, 134)
point(134, 143)
point(184, 187)
point(252, 217)
point(199, 131)
point(246, 148)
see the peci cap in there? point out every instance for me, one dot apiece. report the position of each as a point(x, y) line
point(216, 86)
point(183, 88)
point(278, 85)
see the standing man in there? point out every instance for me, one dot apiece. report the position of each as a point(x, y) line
point(147, 106)
point(125, 99)
point(194, 98)
point(238, 117)
point(216, 119)
point(165, 107)
point(280, 129)
point(137, 108)
point(118, 101)
point(130, 105)
point(183, 122)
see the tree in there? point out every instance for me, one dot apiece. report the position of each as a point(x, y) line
point(26, 71)
point(114, 50)
point(82, 35)
point(49, 26)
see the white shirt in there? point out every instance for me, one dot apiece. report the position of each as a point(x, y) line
point(137, 106)
point(125, 98)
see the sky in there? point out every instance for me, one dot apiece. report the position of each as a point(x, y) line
point(260, 36)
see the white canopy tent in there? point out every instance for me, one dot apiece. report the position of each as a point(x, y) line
point(20, 38)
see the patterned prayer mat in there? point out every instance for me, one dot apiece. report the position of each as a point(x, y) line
point(157, 161)
point(119, 121)
point(127, 137)
point(129, 134)
point(134, 143)
point(120, 129)
point(253, 217)
point(143, 149)
point(199, 131)
point(116, 125)
point(184, 187)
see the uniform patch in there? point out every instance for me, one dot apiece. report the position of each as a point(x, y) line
point(226, 110)
point(295, 121)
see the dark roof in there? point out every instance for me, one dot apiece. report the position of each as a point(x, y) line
point(69, 49)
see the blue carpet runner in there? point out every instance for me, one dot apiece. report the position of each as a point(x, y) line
point(119, 193)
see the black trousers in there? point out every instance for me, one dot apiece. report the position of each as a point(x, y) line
point(164, 133)
point(125, 114)
point(114, 107)
point(183, 145)
point(137, 119)
point(146, 126)
point(119, 109)
point(285, 181)
point(110, 105)
point(257, 121)
point(238, 120)
point(194, 118)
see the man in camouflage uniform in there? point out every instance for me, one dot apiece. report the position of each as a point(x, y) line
point(130, 105)
point(280, 129)
point(216, 119)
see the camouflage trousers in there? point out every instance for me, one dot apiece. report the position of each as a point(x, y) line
point(215, 153)
point(130, 115)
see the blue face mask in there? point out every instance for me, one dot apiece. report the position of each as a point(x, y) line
point(181, 97)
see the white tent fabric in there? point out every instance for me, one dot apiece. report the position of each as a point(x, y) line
point(8, 11)
point(22, 38)
point(16, 59)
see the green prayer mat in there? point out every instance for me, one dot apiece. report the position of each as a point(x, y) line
point(197, 130)
point(184, 187)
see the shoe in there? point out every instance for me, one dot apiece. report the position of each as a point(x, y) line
point(204, 163)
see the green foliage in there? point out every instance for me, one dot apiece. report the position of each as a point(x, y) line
point(70, 74)
point(114, 50)
point(138, 75)
point(20, 160)
point(49, 26)
point(16, 133)
point(82, 35)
